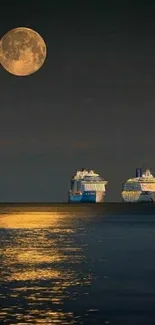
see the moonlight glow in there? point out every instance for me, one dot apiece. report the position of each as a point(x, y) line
point(22, 51)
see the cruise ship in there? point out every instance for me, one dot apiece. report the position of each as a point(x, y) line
point(87, 186)
point(139, 189)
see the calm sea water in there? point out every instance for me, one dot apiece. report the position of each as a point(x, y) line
point(64, 264)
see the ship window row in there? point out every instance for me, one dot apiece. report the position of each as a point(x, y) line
point(90, 193)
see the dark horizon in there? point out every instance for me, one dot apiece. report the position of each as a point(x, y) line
point(91, 104)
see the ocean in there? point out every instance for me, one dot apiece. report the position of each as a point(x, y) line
point(77, 264)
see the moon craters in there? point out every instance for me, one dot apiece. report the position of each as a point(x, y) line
point(23, 51)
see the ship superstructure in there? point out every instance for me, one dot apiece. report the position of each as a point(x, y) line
point(87, 186)
point(139, 189)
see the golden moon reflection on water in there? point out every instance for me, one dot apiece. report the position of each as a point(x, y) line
point(22, 51)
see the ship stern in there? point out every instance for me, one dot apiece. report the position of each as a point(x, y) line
point(74, 197)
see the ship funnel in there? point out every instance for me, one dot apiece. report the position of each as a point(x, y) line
point(138, 172)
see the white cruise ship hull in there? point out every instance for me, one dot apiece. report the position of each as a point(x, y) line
point(86, 197)
point(138, 196)
point(86, 187)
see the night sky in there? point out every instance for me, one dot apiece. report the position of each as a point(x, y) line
point(91, 105)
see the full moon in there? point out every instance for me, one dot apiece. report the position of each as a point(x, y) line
point(22, 51)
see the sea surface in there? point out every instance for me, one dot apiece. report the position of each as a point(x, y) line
point(77, 264)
